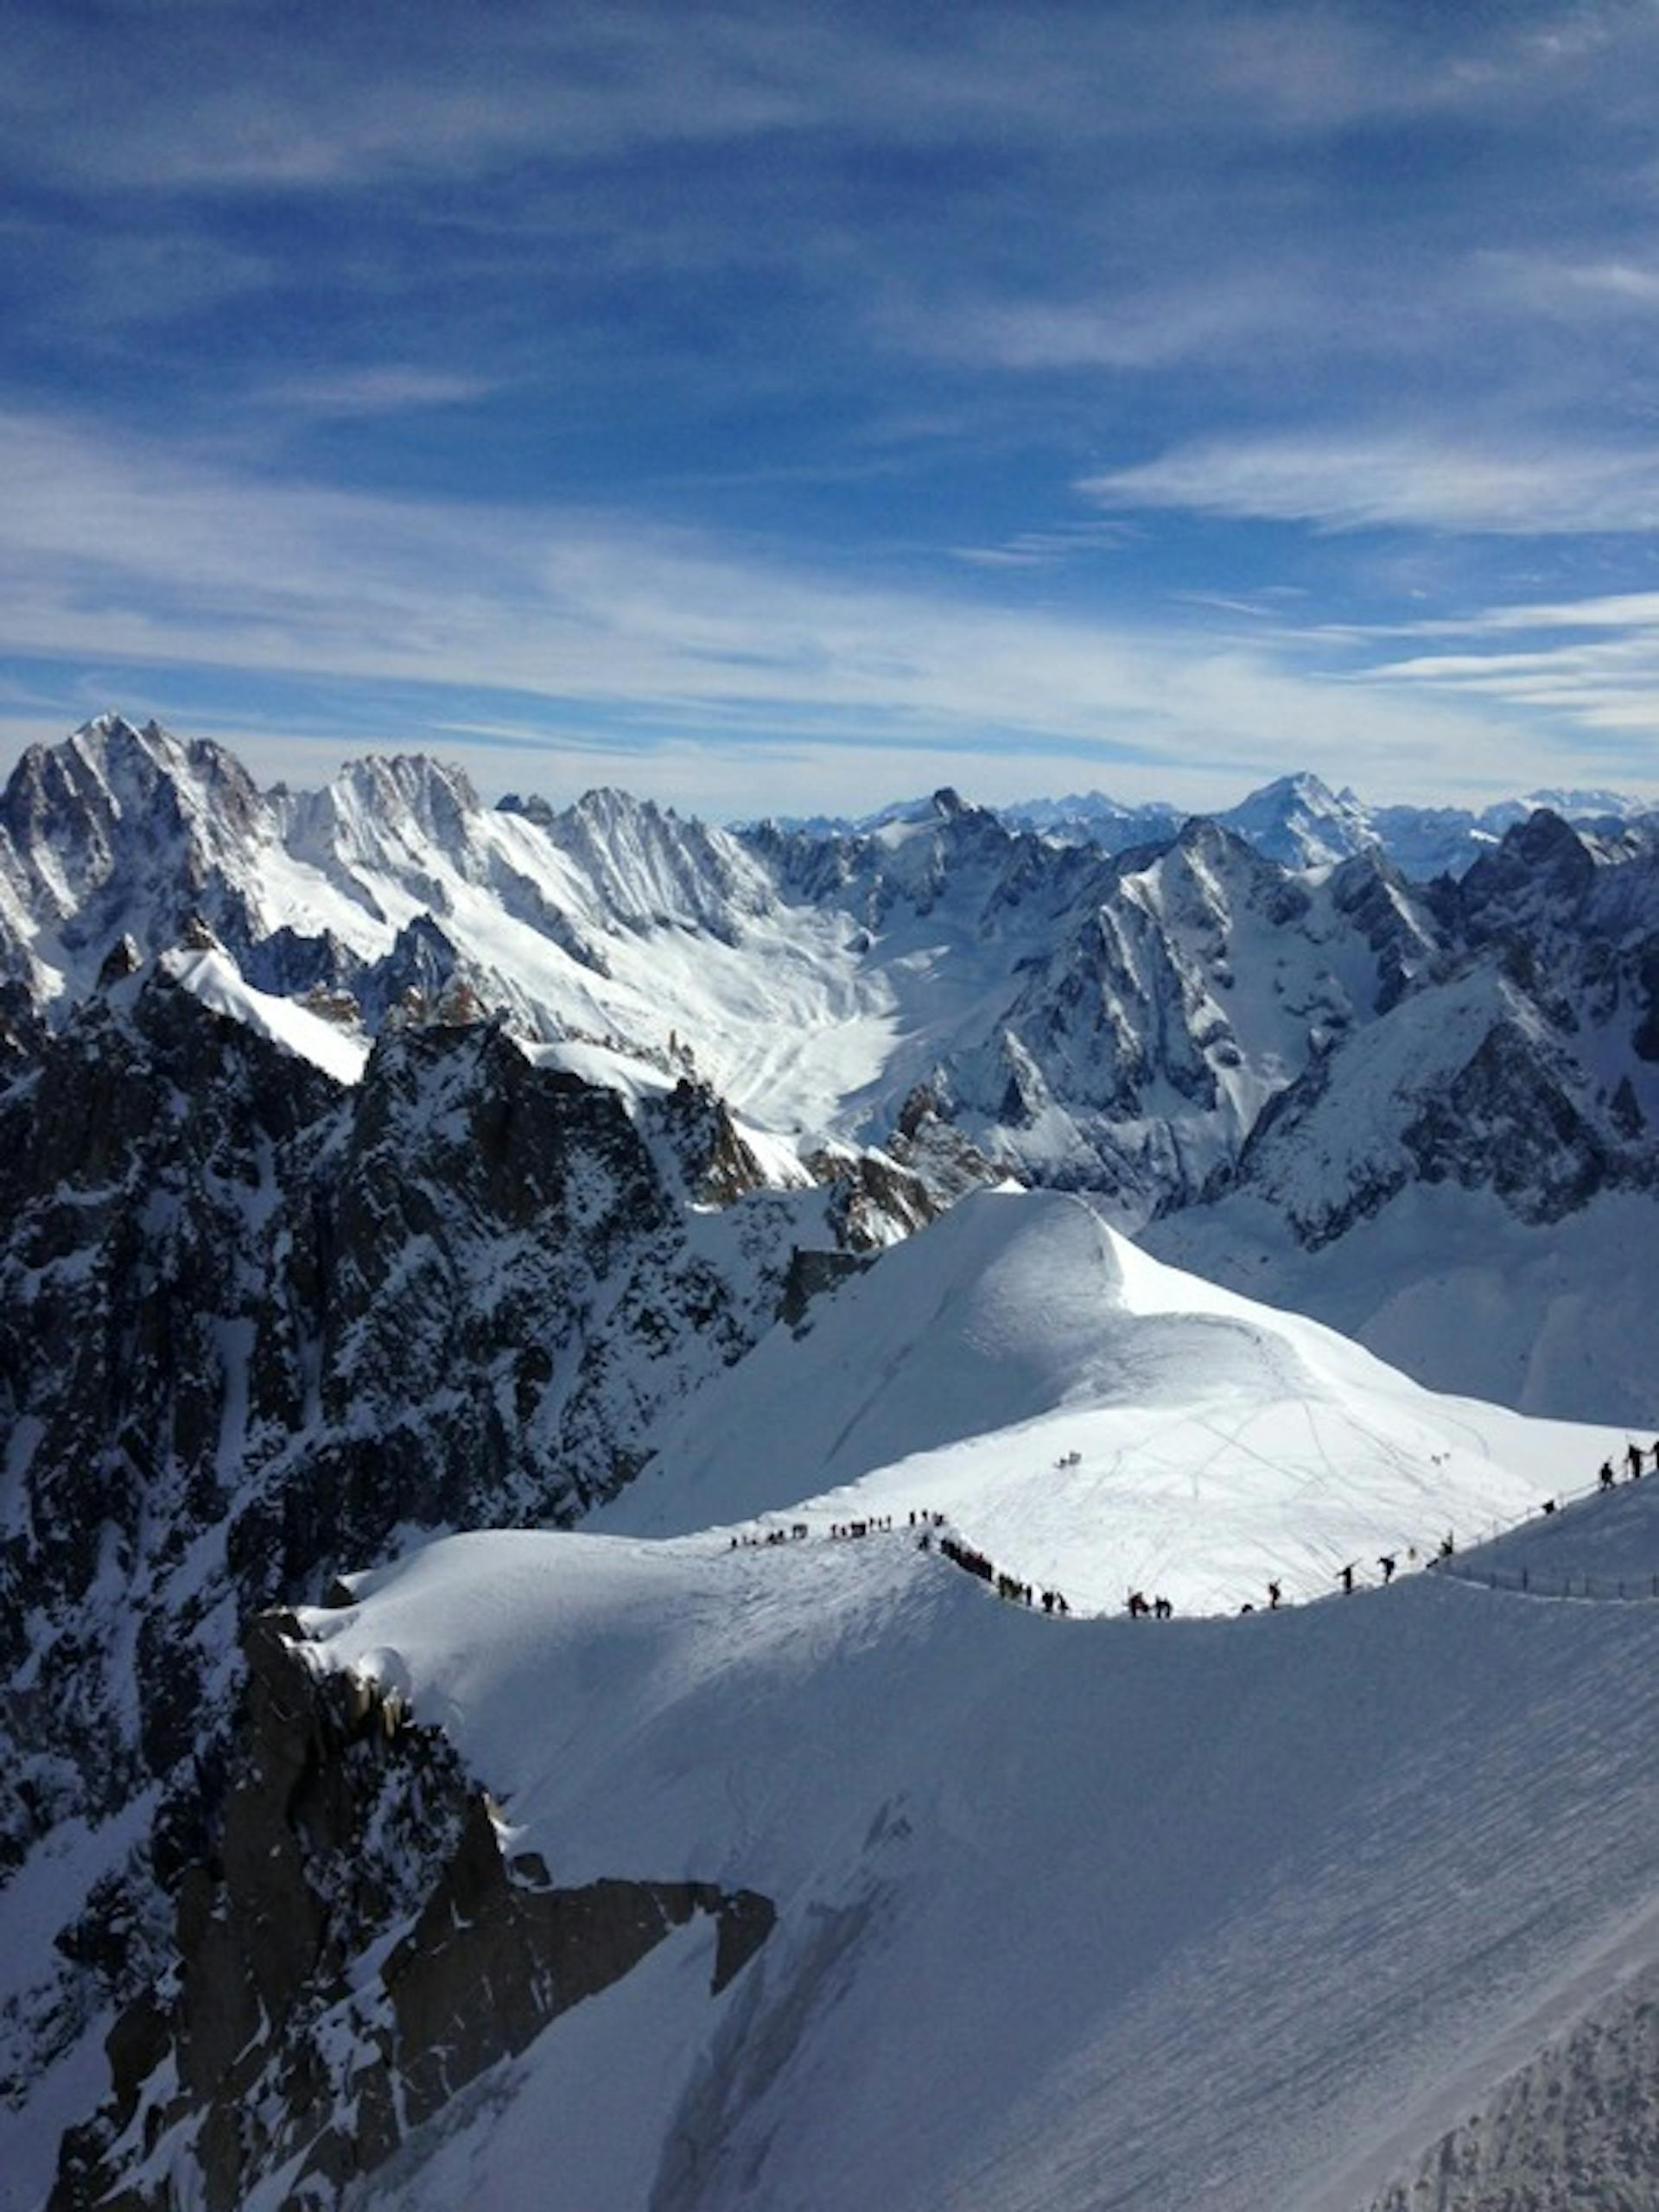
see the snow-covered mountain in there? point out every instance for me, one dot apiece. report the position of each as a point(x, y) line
point(1468, 1186)
point(375, 1163)
point(1299, 821)
point(1091, 1419)
point(271, 1302)
point(810, 1873)
point(1095, 818)
point(970, 998)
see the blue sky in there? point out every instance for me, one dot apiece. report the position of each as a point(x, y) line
point(790, 407)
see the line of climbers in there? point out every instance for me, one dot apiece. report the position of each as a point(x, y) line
point(1139, 1605)
point(1388, 1561)
point(1005, 1586)
point(797, 1531)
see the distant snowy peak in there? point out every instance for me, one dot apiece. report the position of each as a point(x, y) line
point(1302, 823)
point(1095, 818)
point(1299, 822)
point(1587, 805)
point(963, 861)
point(842, 825)
point(113, 800)
point(647, 865)
point(380, 809)
point(124, 831)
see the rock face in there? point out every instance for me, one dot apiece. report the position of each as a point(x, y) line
point(1111, 1021)
point(257, 1327)
point(1522, 1072)
point(276, 2046)
point(1192, 986)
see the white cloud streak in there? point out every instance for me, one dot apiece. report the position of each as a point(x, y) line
point(1399, 479)
point(123, 553)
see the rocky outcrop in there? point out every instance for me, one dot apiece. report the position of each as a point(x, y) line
point(253, 1324)
point(1475, 1088)
point(873, 1200)
point(276, 2044)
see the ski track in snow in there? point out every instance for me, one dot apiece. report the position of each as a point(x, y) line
point(1221, 1444)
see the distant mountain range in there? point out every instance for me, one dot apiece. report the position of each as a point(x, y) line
point(1296, 820)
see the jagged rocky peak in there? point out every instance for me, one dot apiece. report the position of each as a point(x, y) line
point(115, 801)
point(1302, 823)
point(379, 810)
point(1209, 874)
point(1583, 911)
point(713, 1163)
point(649, 865)
point(1542, 857)
point(360, 1948)
point(434, 793)
point(944, 853)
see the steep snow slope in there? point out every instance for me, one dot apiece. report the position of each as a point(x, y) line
point(210, 974)
point(1220, 1444)
point(1446, 1284)
point(1071, 1914)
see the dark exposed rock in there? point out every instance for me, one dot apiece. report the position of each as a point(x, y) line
point(810, 1275)
point(271, 2046)
point(1645, 1040)
point(715, 1166)
point(944, 1161)
point(872, 1199)
point(1505, 1121)
point(23, 1032)
point(252, 1325)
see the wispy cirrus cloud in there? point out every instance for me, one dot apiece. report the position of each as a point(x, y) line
point(117, 554)
point(704, 369)
point(1403, 480)
point(1591, 663)
point(385, 388)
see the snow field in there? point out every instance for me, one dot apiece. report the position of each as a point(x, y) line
point(1070, 1915)
point(1219, 1445)
point(1225, 1912)
point(1559, 1317)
